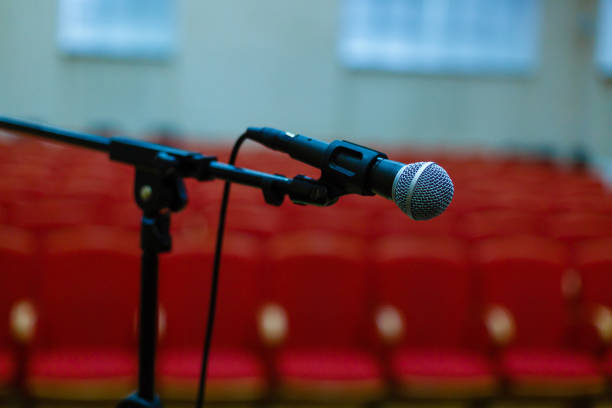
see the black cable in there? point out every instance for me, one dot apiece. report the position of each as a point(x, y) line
point(215, 278)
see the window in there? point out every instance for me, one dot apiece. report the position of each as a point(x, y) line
point(117, 28)
point(440, 36)
point(604, 38)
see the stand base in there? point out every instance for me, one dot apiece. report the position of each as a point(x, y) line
point(134, 401)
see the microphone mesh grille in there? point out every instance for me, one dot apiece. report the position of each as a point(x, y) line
point(431, 194)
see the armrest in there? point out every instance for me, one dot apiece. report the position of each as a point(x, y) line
point(389, 324)
point(23, 321)
point(162, 322)
point(601, 318)
point(273, 324)
point(500, 325)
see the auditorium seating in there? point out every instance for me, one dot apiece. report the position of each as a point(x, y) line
point(594, 264)
point(577, 226)
point(320, 282)
point(390, 221)
point(47, 214)
point(426, 304)
point(347, 220)
point(521, 280)
point(478, 225)
point(506, 294)
point(236, 371)
point(255, 219)
point(86, 304)
point(17, 281)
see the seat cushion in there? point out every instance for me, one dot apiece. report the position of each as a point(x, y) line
point(551, 372)
point(88, 374)
point(232, 374)
point(7, 368)
point(442, 373)
point(323, 374)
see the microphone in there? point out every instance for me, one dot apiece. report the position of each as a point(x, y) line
point(422, 190)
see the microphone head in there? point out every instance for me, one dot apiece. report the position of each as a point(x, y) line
point(423, 190)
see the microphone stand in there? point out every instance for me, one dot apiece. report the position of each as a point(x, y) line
point(159, 190)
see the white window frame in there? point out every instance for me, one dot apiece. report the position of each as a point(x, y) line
point(432, 50)
point(117, 28)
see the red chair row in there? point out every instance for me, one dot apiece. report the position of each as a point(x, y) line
point(469, 166)
point(49, 168)
point(115, 186)
point(313, 315)
point(44, 215)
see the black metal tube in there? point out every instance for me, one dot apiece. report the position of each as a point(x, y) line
point(244, 176)
point(148, 325)
point(61, 135)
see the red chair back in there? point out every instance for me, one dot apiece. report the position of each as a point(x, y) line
point(89, 287)
point(45, 215)
point(18, 269)
point(394, 222)
point(524, 274)
point(185, 279)
point(574, 227)
point(428, 280)
point(594, 264)
point(321, 280)
point(496, 223)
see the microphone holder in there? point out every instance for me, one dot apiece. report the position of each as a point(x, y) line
point(159, 190)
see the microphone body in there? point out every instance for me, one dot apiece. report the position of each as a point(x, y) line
point(422, 190)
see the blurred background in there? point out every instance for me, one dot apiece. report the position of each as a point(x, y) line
point(477, 74)
point(504, 300)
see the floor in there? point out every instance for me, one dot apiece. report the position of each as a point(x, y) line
point(500, 404)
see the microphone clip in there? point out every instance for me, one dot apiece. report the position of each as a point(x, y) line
point(347, 166)
point(301, 190)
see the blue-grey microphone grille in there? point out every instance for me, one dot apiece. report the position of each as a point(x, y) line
point(423, 190)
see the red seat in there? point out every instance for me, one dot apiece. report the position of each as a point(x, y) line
point(426, 307)
point(14, 190)
point(329, 372)
point(99, 187)
point(585, 182)
point(85, 340)
point(233, 374)
point(479, 225)
point(88, 373)
point(574, 227)
point(394, 222)
point(443, 372)
point(526, 313)
point(125, 215)
point(319, 284)
point(323, 364)
point(260, 220)
point(42, 216)
point(557, 371)
point(594, 263)
point(236, 372)
point(591, 202)
point(468, 199)
point(83, 364)
point(345, 220)
point(18, 266)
